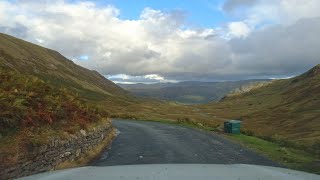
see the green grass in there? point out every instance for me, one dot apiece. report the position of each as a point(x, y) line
point(289, 157)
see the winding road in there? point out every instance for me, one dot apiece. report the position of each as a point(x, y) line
point(143, 142)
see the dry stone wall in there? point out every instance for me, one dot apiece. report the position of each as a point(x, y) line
point(48, 156)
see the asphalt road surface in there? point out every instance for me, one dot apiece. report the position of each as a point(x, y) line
point(142, 142)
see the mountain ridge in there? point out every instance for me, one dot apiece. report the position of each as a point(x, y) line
point(188, 92)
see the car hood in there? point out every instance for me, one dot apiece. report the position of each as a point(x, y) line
point(175, 171)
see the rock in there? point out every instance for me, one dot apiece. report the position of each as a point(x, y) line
point(56, 143)
point(78, 151)
point(73, 137)
point(43, 148)
point(52, 142)
point(83, 132)
point(200, 124)
point(66, 154)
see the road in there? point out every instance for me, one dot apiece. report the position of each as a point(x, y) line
point(142, 142)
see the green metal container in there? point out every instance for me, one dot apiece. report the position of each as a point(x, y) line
point(232, 126)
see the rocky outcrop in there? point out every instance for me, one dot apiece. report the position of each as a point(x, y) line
point(48, 156)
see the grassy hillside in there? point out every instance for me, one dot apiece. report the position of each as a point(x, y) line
point(189, 92)
point(52, 66)
point(56, 70)
point(285, 110)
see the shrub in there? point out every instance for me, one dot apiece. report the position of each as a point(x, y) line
point(29, 102)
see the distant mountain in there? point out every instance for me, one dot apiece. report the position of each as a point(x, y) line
point(287, 109)
point(188, 92)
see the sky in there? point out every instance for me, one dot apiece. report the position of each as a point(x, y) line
point(147, 41)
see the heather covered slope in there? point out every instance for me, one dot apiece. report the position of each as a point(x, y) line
point(56, 70)
point(284, 109)
point(29, 103)
point(51, 65)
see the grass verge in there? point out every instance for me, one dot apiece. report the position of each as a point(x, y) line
point(289, 157)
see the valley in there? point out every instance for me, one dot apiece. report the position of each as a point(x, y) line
point(45, 95)
point(189, 92)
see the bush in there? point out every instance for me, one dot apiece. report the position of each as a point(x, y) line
point(29, 102)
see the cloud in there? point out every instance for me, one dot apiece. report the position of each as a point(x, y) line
point(279, 50)
point(231, 5)
point(238, 29)
point(147, 79)
point(257, 12)
point(159, 46)
point(154, 76)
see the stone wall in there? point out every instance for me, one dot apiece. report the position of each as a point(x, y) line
point(47, 157)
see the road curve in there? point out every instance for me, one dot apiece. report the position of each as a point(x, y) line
point(142, 142)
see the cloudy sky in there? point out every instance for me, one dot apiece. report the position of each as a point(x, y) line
point(173, 40)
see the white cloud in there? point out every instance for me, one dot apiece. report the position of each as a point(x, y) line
point(149, 79)
point(154, 76)
point(159, 47)
point(238, 29)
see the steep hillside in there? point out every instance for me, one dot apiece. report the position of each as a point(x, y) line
point(52, 66)
point(44, 95)
point(189, 92)
point(286, 109)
